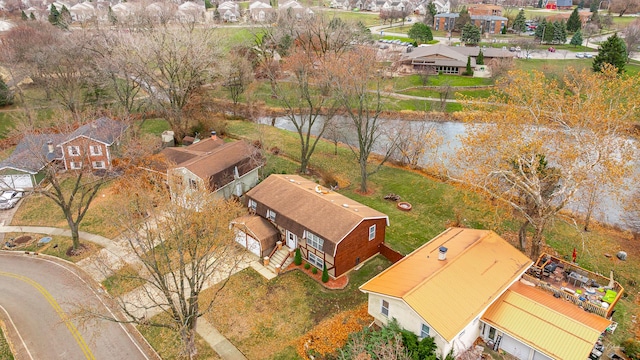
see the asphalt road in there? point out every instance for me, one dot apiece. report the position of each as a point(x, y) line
point(38, 300)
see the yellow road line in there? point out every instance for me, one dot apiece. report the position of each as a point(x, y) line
point(56, 307)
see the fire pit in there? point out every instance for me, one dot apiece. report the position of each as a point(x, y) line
point(404, 206)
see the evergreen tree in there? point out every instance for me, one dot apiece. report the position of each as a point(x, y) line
point(613, 51)
point(113, 19)
point(593, 6)
point(480, 58)
point(65, 18)
point(539, 4)
point(559, 33)
point(420, 32)
point(540, 30)
point(54, 15)
point(23, 15)
point(468, 70)
point(297, 258)
point(431, 8)
point(503, 30)
point(32, 17)
point(325, 274)
point(470, 34)
point(548, 32)
point(6, 96)
point(207, 4)
point(581, 5)
point(577, 38)
point(519, 24)
point(574, 23)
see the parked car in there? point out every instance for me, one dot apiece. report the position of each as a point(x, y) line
point(588, 55)
point(551, 49)
point(9, 199)
point(579, 55)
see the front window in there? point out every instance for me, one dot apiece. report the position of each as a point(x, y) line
point(76, 164)
point(73, 150)
point(252, 204)
point(372, 232)
point(314, 241)
point(271, 215)
point(385, 308)
point(95, 150)
point(98, 164)
point(424, 331)
point(315, 260)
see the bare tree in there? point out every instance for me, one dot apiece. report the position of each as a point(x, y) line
point(527, 47)
point(182, 250)
point(418, 139)
point(632, 37)
point(173, 65)
point(624, 6)
point(350, 78)
point(306, 98)
point(240, 75)
point(631, 215)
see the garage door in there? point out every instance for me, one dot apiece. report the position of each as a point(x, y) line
point(241, 238)
point(253, 245)
point(15, 182)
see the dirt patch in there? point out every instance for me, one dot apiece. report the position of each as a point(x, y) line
point(23, 239)
point(79, 251)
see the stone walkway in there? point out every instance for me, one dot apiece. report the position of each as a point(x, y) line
point(114, 255)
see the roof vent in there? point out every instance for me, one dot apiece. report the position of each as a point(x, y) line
point(345, 205)
point(356, 210)
point(442, 255)
point(291, 180)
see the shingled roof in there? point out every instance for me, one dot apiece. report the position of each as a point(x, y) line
point(326, 213)
point(104, 130)
point(32, 153)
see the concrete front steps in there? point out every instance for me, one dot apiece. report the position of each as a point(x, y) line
point(278, 257)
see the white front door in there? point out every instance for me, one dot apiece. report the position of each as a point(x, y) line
point(292, 240)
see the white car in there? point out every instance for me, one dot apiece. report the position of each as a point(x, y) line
point(588, 55)
point(579, 55)
point(9, 199)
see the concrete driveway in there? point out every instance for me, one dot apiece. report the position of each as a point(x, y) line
point(39, 298)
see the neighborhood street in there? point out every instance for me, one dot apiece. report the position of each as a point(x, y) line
point(39, 299)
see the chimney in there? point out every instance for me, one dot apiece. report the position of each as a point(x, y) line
point(213, 135)
point(442, 255)
point(50, 146)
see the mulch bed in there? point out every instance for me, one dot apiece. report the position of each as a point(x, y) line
point(22, 239)
point(333, 284)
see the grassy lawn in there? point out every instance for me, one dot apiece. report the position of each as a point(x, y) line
point(264, 318)
point(123, 281)
point(38, 210)
point(367, 18)
point(154, 126)
point(5, 350)
point(57, 247)
point(477, 94)
point(167, 343)
point(403, 82)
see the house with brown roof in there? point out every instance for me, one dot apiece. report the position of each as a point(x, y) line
point(444, 59)
point(467, 285)
point(226, 169)
point(328, 228)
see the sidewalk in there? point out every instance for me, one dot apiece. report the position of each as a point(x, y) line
point(117, 253)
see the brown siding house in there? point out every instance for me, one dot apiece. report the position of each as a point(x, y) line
point(329, 228)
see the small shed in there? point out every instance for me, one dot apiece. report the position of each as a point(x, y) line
point(256, 234)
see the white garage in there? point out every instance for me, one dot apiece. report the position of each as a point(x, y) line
point(248, 242)
point(255, 234)
point(16, 181)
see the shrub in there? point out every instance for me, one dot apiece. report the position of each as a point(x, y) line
point(631, 348)
point(297, 258)
point(307, 266)
point(325, 274)
point(314, 270)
